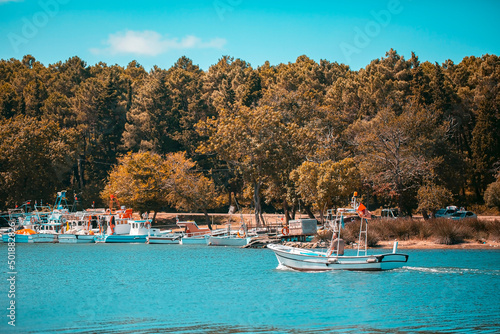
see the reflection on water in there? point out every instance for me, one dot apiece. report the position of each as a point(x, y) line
point(197, 289)
point(149, 328)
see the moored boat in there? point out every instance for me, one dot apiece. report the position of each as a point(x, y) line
point(228, 240)
point(139, 231)
point(193, 234)
point(125, 238)
point(67, 238)
point(173, 239)
point(232, 239)
point(85, 238)
point(194, 240)
point(20, 236)
point(79, 228)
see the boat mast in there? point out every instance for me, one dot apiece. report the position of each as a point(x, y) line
point(363, 227)
point(363, 231)
point(334, 222)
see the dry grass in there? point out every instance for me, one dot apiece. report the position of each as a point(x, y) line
point(448, 232)
point(440, 231)
point(351, 234)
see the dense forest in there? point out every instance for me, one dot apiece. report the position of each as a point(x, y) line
point(403, 133)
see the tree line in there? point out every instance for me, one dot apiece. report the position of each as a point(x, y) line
point(403, 133)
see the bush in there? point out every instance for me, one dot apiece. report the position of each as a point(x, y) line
point(442, 230)
point(372, 240)
point(324, 235)
point(351, 232)
point(447, 232)
point(492, 195)
point(493, 229)
point(401, 228)
point(424, 229)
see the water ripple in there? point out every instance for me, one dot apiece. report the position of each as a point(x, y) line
point(453, 270)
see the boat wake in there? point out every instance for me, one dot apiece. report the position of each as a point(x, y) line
point(285, 268)
point(453, 270)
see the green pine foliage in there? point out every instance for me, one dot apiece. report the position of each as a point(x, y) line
point(419, 135)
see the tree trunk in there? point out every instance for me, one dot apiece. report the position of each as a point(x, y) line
point(322, 214)
point(294, 211)
point(154, 218)
point(262, 218)
point(207, 219)
point(256, 200)
point(81, 160)
point(309, 212)
point(426, 216)
point(286, 210)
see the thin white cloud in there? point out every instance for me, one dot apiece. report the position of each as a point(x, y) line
point(151, 43)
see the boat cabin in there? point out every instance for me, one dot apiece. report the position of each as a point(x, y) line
point(191, 229)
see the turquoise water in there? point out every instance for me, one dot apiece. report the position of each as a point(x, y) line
point(127, 288)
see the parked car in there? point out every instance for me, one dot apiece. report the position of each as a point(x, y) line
point(446, 213)
point(462, 215)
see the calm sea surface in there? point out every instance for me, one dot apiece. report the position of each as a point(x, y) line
point(127, 288)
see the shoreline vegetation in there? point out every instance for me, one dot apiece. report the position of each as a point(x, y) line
point(411, 233)
point(268, 138)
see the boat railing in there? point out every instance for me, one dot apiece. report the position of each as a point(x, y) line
point(219, 231)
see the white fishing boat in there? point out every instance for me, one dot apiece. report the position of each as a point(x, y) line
point(194, 235)
point(234, 239)
point(77, 236)
point(85, 237)
point(140, 230)
point(48, 233)
point(51, 224)
point(333, 258)
point(226, 240)
point(78, 228)
point(20, 236)
point(21, 226)
point(194, 240)
point(67, 238)
point(169, 238)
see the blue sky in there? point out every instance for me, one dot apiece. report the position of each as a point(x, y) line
point(159, 32)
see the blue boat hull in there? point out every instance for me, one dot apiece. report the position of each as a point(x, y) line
point(126, 239)
point(19, 238)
